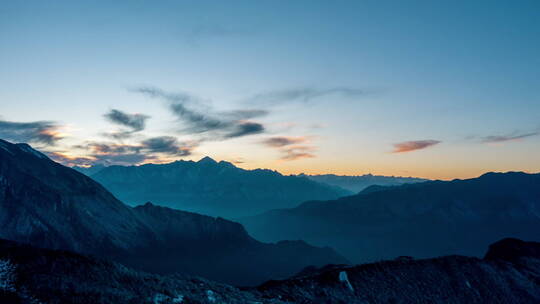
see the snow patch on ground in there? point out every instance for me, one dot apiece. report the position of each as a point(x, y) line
point(160, 298)
point(211, 296)
point(345, 280)
point(178, 299)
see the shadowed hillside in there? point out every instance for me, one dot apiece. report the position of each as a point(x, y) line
point(422, 220)
point(510, 273)
point(48, 205)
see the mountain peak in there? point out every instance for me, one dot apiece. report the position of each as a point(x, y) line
point(207, 160)
point(14, 149)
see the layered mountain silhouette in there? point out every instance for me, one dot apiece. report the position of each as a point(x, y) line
point(509, 273)
point(89, 170)
point(48, 205)
point(213, 188)
point(422, 220)
point(358, 183)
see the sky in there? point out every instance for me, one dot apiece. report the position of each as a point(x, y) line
point(434, 89)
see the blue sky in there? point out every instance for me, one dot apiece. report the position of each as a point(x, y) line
point(440, 89)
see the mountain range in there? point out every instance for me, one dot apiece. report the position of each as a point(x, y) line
point(357, 183)
point(51, 206)
point(210, 187)
point(509, 273)
point(423, 220)
point(80, 244)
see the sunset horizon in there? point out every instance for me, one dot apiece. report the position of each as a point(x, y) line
point(269, 152)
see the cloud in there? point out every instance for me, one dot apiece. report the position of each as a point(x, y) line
point(152, 149)
point(169, 145)
point(297, 152)
point(199, 122)
point(110, 148)
point(305, 94)
point(281, 141)
point(245, 128)
point(136, 122)
point(291, 148)
point(119, 135)
point(197, 117)
point(505, 138)
point(42, 132)
point(408, 146)
point(66, 159)
point(122, 159)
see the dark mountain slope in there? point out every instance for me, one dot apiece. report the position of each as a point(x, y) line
point(49, 205)
point(422, 220)
point(52, 206)
point(32, 275)
point(219, 249)
point(510, 273)
point(210, 187)
point(498, 278)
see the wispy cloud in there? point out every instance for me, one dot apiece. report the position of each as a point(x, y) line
point(126, 159)
point(506, 138)
point(245, 128)
point(151, 149)
point(41, 132)
point(169, 145)
point(408, 146)
point(297, 152)
point(197, 117)
point(291, 148)
point(304, 94)
point(68, 160)
point(136, 122)
point(281, 141)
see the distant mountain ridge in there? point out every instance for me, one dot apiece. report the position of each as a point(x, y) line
point(48, 205)
point(210, 187)
point(422, 220)
point(88, 171)
point(357, 183)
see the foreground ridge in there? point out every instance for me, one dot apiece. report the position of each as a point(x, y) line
point(509, 273)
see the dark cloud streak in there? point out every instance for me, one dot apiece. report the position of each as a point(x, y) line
point(42, 132)
point(290, 147)
point(197, 117)
point(245, 128)
point(297, 152)
point(409, 146)
point(506, 138)
point(135, 123)
point(168, 145)
point(281, 141)
point(305, 94)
